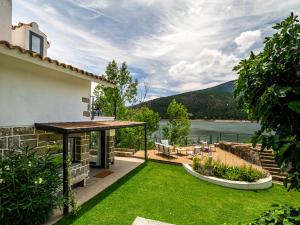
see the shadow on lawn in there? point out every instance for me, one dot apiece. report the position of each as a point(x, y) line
point(101, 196)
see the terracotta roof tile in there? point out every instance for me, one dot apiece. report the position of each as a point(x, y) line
point(53, 61)
point(21, 25)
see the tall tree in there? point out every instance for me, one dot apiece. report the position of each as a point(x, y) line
point(134, 137)
point(112, 100)
point(268, 89)
point(178, 126)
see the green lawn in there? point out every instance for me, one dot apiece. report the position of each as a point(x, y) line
point(167, 193)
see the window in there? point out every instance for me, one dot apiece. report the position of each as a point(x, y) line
point(36, 43)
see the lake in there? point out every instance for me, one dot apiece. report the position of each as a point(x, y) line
point(235, 131)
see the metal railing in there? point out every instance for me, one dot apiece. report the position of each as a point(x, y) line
point(213, 138)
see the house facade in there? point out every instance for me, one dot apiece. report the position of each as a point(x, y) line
point(37, 89)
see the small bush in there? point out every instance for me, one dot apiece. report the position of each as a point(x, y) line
point(209, 167)
point(280, 215)
point(29, 187)
point(196, 164)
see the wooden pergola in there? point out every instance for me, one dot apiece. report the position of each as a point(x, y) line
point(67, 128)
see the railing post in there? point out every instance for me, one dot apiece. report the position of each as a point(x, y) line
point(220, 136)
point(237, 138)
point(210, 139)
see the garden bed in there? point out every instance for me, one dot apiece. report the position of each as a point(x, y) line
point(263, 183)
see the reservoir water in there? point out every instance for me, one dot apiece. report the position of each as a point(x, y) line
point(235, 131)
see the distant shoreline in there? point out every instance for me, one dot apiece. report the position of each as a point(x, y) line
point(219, 121)
point(223, 121)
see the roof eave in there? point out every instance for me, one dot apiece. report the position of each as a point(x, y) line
point(35, 58)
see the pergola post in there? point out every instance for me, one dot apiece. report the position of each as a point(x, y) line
point(65, 174)
point(145, 133)
point(102, 149)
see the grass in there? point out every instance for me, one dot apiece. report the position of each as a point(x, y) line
point(167, 193)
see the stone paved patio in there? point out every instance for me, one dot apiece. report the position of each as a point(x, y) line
point(95, 185)
point(218, 154)
point(143, 221)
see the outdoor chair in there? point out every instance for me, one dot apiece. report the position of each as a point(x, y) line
point(157, 147)
point(194, 152)
point(161, 148)
point(165, 142)
point(169, 151)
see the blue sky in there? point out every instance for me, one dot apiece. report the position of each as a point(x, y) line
point(173, 45)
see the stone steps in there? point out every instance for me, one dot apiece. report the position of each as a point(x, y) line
point(267, 157)
point(124, 153)
point(278, 178)
point(268, 163)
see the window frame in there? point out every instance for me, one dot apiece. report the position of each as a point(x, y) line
point(31, 34)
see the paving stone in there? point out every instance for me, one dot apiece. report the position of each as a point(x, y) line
point(143, 221)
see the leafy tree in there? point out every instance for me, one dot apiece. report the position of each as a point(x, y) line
point(134, 137)
point(112, 100)
point(178, 126)
point(268, 89)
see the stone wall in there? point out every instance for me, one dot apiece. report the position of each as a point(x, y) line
point(244, 151)
point(110, 146)
point(82, 149)
point(15, 137)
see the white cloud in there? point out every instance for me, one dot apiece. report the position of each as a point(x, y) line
point(208, 68)
point(50, 10)
point(247, 39)
point(174, 45)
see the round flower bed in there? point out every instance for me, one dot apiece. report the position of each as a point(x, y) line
point(244, 177)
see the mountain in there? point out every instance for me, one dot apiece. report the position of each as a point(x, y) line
point(211, 103)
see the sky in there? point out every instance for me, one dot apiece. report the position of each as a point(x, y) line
point(173, 46)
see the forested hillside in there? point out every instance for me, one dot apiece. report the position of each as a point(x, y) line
point(211, 103)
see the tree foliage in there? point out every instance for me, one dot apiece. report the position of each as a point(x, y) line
point(112, 100)
point(29, 187)
point(211, 103)
point(268, 89)
point(178, 126)
point(134, 137)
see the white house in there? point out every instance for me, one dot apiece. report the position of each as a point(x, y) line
point(43, 101)
point(37, 89)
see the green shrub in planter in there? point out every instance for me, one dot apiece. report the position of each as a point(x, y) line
point(209, 167)
point(29, 187)
point(196, 164)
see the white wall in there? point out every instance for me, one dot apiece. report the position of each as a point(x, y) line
point(31, 93)
point(5, 20)
point(18, 36)
point(21, 36)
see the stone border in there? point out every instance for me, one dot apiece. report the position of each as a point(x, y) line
point(263, 183)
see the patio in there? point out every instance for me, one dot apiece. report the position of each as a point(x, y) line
point(96, 185)
point(217, 154)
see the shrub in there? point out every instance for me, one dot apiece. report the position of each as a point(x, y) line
point(210, 167)
point(196, 164)
point(280, 215)
point(233, 173)
point(29, 187)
